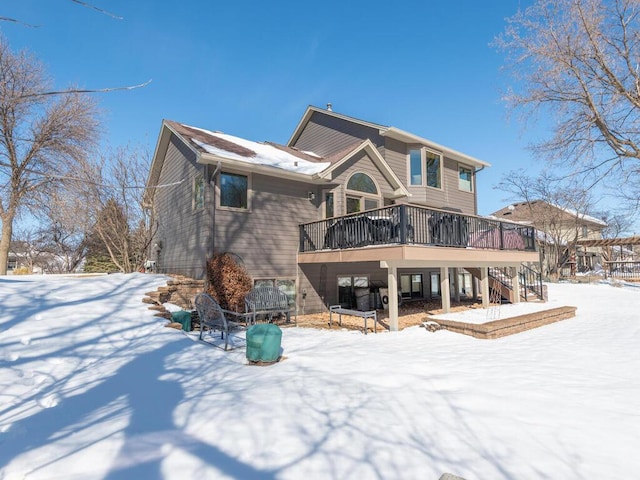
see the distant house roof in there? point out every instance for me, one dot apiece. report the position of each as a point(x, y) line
point(521, 212)
point(387, 131)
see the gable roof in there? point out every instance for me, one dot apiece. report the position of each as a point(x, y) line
point(212, 147)
point(370, 149)
point(387, 131)
point(521, 212)
point(229, 147)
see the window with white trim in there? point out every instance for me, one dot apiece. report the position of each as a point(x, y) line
point(234, 191)
point(425, 168)
point(465, 178)
point(198, 193)
point(361, 193)
point(328, 204)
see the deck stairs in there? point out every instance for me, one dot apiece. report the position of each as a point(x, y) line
point(500, 281)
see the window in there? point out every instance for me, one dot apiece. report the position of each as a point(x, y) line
point(421, 161)
point(433, 170)
point(435, 284)
point(465, 176)
point(353, 204)
point(464, 282)
point(585, 231)
point(362, 182)
point(234, 191)
point(362, 193)
point(288, 286)
point(411, 286)
point(415, 167)
point(328, 205)
point(347, 286)
point(198, 193)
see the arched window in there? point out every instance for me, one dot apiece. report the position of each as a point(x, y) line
point(361, 182)
point(361, 193)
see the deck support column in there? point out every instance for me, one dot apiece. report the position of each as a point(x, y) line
point(484, 286)
point(474, 288)
point(445, 292)
point(515, 281)
point(456, 284)
point(392, 283)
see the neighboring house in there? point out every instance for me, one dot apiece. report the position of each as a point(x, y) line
point(25, 258)
point(563, 234)
point(345, 204)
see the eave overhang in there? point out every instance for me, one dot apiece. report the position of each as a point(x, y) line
point(406, 137)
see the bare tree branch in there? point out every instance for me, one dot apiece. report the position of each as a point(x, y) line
point(7, 19)
point(576, 61)
point(75, 90)
point(88, 5)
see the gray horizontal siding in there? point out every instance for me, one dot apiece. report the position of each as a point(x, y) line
point(184, 233)
point(267, 236)
point(360, 163)
point(326, 135)
point(450, 196)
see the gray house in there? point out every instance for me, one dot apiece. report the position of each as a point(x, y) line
point(346, 205)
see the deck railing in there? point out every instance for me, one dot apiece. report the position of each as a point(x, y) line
point(622, 269)
point(409, 224)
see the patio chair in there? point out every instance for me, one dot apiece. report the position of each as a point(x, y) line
point(213, 317)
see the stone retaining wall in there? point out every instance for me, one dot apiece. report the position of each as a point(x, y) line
point(179, 291)
point(508, 326)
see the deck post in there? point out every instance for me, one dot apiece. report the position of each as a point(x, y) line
point(456, 284)
point(484, 286)
point(445, 292)
point(474, 288)
point(392, 282)
point(515, 281)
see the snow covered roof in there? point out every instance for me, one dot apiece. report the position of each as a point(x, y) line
point(267, 154)
point(582, 216)
point(518, 212)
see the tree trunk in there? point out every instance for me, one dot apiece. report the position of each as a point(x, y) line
point(5, 240)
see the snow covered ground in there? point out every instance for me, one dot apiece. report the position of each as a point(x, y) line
point(93, 386)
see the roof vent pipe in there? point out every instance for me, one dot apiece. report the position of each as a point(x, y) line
point(330, 107)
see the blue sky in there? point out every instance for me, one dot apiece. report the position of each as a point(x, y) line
point(250, 68)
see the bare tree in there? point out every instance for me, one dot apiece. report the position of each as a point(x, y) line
point(41, 137)
point(26, 250)
point(113, 191)
point(64, 219)
point(618, 225)
point(577, 60)
point(555, 207)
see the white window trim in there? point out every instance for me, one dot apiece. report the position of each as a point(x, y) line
point(357, 193)
point(466, 167)
point(198, 178)
point(249, 191)
point(423, 160)
point(323, 204)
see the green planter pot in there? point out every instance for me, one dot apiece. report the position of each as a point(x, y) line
point(184, 318)
point(263, 342)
